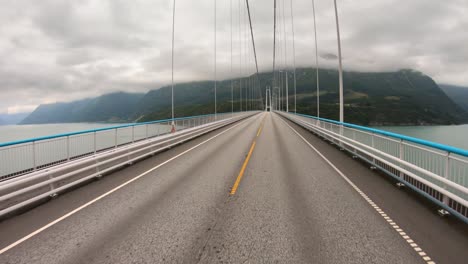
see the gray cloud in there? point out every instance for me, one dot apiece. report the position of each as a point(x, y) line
point(56, 50)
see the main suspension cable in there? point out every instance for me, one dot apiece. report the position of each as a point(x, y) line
point(252, 35)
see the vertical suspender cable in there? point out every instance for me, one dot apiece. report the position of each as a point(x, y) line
point(274, 44)
point(215, 56)
point(281, 53)
point(232, 80)
point(172, 71)
point(247, 63)
point(240, 55)
point(294, 54)
point(340, 69)
point(248, 66)
point(246, 60)
point(316, 61)
point(279, 81)
point(244, 57)
point(285, 51)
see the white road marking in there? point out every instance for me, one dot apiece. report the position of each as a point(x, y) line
point(426, 258)
point(21, 240)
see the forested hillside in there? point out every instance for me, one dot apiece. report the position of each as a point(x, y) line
point(405, 97)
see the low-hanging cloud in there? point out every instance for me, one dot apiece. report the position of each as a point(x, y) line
point(56, 50)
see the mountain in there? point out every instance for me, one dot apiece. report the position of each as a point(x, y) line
point(457, 93)
point(12, 119)
point(404, 97)
point(114, 107)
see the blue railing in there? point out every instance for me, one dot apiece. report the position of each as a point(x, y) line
point(22, 156)
point(5, 144)
point(423, 142)
point(436, 171)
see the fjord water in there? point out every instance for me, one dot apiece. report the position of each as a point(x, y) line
point(456, 136)
point(20, 132)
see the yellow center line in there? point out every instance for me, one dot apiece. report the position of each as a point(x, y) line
point(259, 130)
point(261, 126)
point(241, 173)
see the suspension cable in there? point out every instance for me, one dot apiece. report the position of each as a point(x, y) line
point(274, 44)
point(215, 57)
point(340, 65)
point(240, 55)
point(316, 61)
point(294, 55)
point(253, 43)
point(247, 62)
point(172, 71)
point(252, 35)
point(281, 58)
point(285, 52)
point(232, 80)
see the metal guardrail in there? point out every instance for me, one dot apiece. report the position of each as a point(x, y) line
point(437, 171)
point(20, 192)
point(25, 156)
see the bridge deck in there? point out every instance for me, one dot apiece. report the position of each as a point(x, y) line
point(291, 206)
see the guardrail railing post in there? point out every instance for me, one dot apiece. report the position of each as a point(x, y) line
point(373, 146)
point(34, 155)
point(402, 155)
point(115, 138)
point(146, 131)
point(68, 147)
point(354, 138)
point(95, 143)
point(445, 198)
point(133, 134)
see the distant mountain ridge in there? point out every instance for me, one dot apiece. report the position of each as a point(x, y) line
point(458, 94)
point(12, 119)
point(404, 97)
point(114, 107)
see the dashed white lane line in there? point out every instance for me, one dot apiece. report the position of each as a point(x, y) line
point(16, 243)
point(398, 229)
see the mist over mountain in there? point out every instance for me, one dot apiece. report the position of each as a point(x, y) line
point(458, 94)
point(114, 107)
point(12, 119)
point(404, 97)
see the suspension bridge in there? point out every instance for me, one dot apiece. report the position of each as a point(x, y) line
point(265, 184)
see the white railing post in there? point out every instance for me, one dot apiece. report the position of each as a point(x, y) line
point(146, 131)
point(34, 155)
point(95, 145)
point(133, 134)
point(68, 147)
point(372, 144)
point(115, 138)
point(445, 198)
point(402, 155)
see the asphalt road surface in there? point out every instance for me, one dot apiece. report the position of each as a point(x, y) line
point(252, 192)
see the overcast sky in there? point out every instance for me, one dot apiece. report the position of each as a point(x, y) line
point(59, 50)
